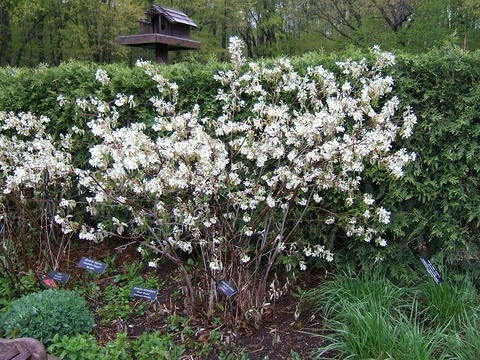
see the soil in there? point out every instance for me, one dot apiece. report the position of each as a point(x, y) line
point(279, 334)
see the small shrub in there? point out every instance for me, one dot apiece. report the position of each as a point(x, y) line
point(119, 304)
point(12, 287)
point(45, 314)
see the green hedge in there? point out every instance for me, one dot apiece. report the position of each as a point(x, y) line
point(435, 207)
point(438, 204)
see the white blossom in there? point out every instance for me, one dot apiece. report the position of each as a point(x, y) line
point(271, 202)
point(383, 215)
point(368, 199)
point(330, 221)
point(61, 100)
point(215, 265)
point(102, 76)
point(381, 242)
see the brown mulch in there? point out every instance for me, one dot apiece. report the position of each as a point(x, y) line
point(280, 334)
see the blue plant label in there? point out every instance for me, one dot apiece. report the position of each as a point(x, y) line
point(92, 265)
point(144, 293)
point(58, 276)
point(226, 289)
point(431, 270)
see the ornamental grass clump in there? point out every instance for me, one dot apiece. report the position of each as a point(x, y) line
point(232, 191)
point(449, 303)
point(369, 317)
point(45, 314)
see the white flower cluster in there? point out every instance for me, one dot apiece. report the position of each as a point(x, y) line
point(235, 48)
point(30, 157)
point(102, 76)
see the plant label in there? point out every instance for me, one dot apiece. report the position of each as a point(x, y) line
point(226, 289)
point(58, 276)
point(144, 293)
point(431, 270)
point(92, 265)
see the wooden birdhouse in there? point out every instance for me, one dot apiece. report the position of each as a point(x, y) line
point(163, 29)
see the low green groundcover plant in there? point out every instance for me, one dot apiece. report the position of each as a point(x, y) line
point(44, 314)
point(146, 346)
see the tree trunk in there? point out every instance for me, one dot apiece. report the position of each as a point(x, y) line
point(4, 32)
point(224, 25)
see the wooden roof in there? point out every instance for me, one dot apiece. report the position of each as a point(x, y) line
point(172, 15)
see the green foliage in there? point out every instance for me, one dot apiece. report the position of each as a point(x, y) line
point(132, 272)
point(435, 206)
point(294, 355)
point(370, 289)
point(228, 355)
point(176, 322)
point(45, 314)
point(80, 347)
point(85, 347)
point(119, 303)
point(380, 334)
point(156, 346)
point(212, 342)
point(75, 80)
point(41, 31)
point(7, 293)
point(449, 303)
point(11, 289)
point(428, 322)
point(46, 31)
point(465, 345)
point(119, 348)
point(147, 346)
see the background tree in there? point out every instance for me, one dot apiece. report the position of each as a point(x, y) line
point(51, 31)
point(5, 11)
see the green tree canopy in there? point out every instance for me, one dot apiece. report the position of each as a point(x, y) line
point(51, 31)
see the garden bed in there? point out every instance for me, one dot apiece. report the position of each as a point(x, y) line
point(280, 336)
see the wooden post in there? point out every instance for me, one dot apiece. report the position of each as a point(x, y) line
point(161, 53)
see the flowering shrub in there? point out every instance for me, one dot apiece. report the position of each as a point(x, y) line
point(234, 189)
point(34, 171)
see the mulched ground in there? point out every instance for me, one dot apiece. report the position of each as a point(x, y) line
point(279, 334)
